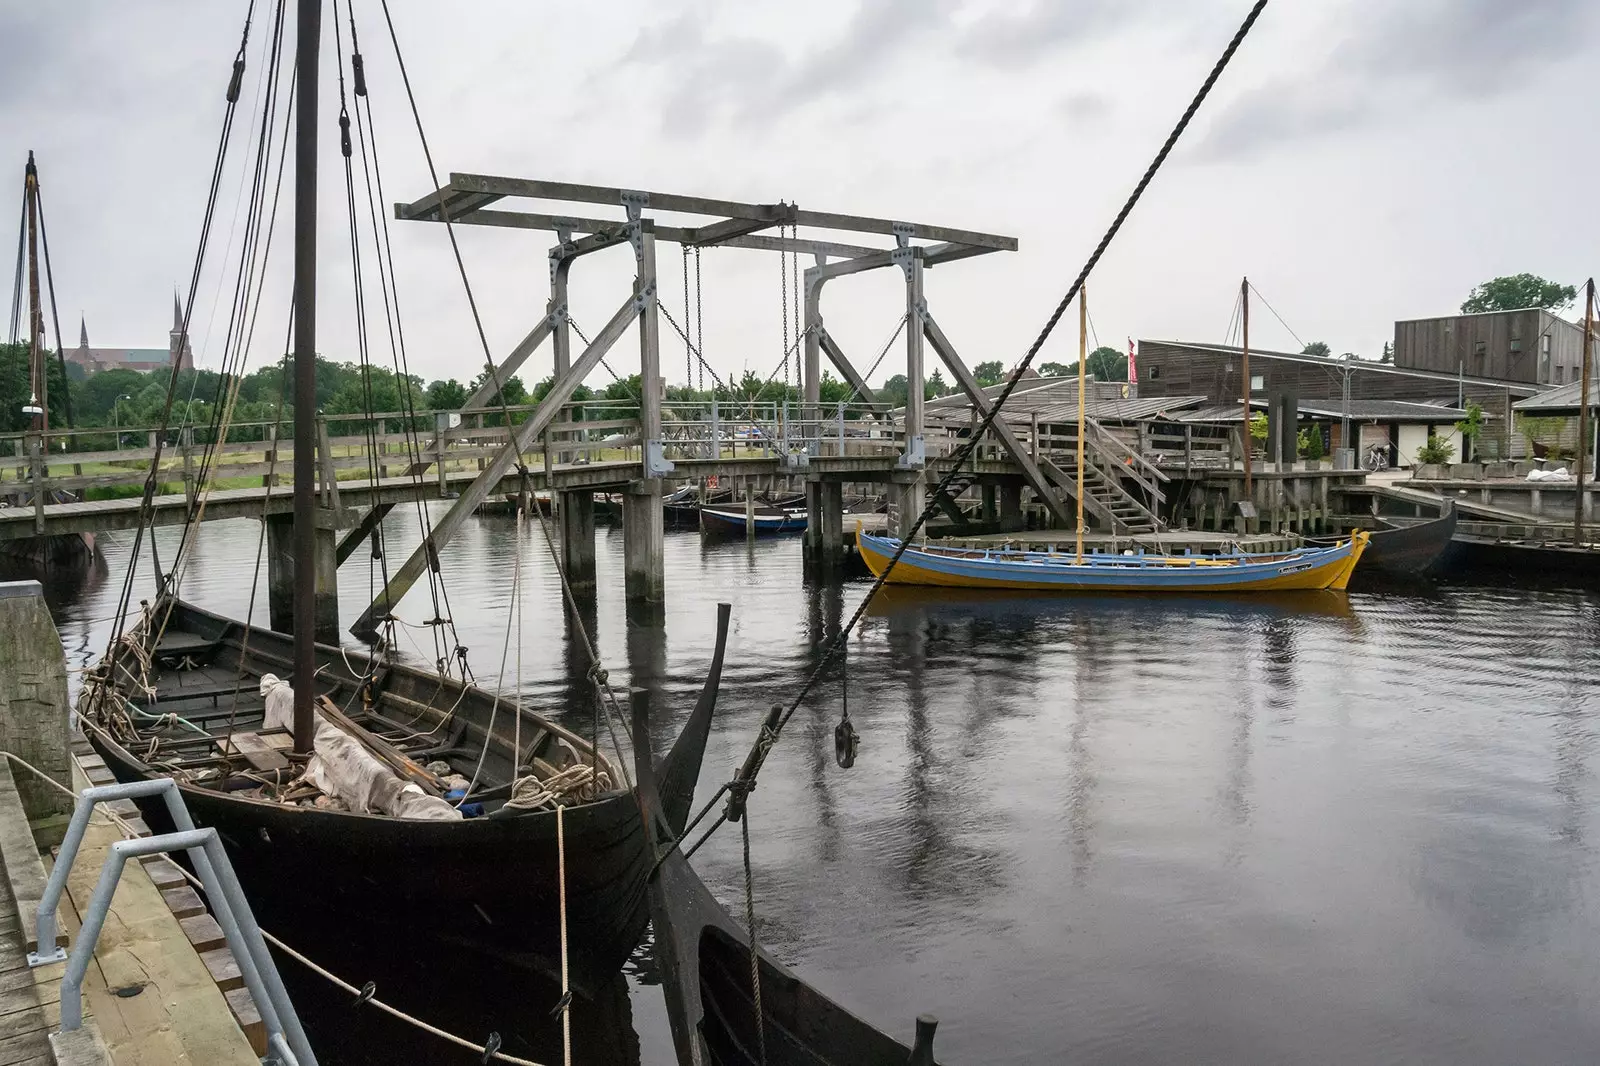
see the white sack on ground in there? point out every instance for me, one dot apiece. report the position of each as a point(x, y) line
point(341, 767)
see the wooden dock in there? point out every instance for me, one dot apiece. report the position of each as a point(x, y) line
point(156, 991)
point(151, 996)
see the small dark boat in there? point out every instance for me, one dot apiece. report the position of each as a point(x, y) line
point(767, 518)
point(704, 959)
point(1406, 549)
point(484, 886)
point(681, 509)
point(1558, 562)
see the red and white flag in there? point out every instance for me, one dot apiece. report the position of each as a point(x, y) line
point(1133, 366)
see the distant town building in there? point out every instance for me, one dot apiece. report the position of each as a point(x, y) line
point(94, 360)
point(1530, 346)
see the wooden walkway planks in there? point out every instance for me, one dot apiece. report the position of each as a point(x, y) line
point(178, 1017)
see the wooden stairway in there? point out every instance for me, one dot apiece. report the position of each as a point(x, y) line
point(1116, 480)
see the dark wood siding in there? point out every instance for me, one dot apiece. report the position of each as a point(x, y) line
point(1199, 371)
point(1530, 346)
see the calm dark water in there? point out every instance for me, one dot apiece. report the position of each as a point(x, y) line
point(1312, 830)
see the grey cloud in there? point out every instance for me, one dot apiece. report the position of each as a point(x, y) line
point(1007, 36)
point(1085, 107)
point(1402, 58)
point(748, 81)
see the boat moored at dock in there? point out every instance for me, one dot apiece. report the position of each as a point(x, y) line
point(1302, 569)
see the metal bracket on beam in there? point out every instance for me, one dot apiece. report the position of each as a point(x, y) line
point(915, 457)
point(902, 234)
point(642, 300)
point(635, 202)
point(904, 257)
point(656, 463)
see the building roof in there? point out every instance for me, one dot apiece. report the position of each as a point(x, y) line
point(1361, 366)
point(1562, 398)
point(1385, 411)
point(1056, 400)
point(1489, 314)
point(1360, 411)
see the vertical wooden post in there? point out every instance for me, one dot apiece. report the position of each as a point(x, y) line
point(1583, 411)
point(1083, 355)
point(186, 449)
point(36, 476)
point(1244, 371)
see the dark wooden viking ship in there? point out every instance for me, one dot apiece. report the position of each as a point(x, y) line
point(1406, 549)
point(703, 956)
point(486, 883)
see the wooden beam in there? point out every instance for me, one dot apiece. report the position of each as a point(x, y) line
point(480, 397)
point(851, 375)
point(474, 494)
point(657, 201)
point(672, 234)
point(1035, 477)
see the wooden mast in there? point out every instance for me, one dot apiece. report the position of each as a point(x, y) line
point(1583, 410)
point(308, 37)
point(1083, 345)
point(1244, 371)
point(39, 402)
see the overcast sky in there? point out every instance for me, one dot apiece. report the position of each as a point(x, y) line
point(1362, 160)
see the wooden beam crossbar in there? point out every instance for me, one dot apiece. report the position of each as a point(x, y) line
point(496, 469)
point(466, 194)
point(480, 398)
point(1048, 493)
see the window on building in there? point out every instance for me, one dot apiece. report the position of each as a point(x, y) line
point(1258, 382)
point(1153, 372)
point(1480, 349)
point(1561, 375)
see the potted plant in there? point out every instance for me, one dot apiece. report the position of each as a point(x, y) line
point(1311, 447)
point(1432, 458)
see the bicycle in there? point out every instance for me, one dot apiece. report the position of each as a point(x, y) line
point(1377, 458)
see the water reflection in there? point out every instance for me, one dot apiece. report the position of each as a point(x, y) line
point(1311, 828)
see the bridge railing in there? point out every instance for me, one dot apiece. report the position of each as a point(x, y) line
point(262, 452)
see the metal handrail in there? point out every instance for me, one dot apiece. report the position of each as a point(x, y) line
point(232, 911)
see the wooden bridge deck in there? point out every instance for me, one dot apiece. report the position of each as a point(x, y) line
point(96, 516)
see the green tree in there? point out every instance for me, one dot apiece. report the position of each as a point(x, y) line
point(1436, 450)
point(934, 387)
point(832, 390)
point(1310, 442)
point(1258, 426)
point(895, 391)
point(445, 395)
point(1317, 348)
point(1107, 364)
point(1058, 370)
point(1516, 291)
point(1388, 353)
point(992, 372)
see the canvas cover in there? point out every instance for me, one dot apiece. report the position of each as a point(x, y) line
point(342, 768)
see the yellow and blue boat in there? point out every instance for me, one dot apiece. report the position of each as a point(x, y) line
point(1301, 569)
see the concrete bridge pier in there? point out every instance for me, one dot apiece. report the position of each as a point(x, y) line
point(643, 559)
point(575, 517)
point(33, 696)
point(909, 494)
point(280, 575)
point(824, 539)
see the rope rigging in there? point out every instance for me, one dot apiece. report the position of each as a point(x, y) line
point(734, 809)
point(598, 673)
point(146, 503)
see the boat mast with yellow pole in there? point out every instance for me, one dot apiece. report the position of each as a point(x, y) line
point(1083, 343)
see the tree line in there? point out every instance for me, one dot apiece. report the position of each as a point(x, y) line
point(122, 399)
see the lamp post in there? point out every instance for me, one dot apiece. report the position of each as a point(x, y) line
point(116, 419)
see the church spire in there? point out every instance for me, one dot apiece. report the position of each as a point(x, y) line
point(83, 333)
point(177, 313)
